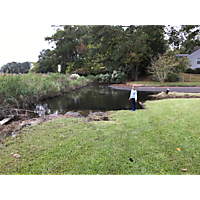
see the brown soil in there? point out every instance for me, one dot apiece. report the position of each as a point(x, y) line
point(12, 127)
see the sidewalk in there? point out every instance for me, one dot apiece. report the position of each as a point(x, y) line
point(157, 89)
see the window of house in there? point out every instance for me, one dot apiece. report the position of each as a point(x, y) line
point(198, 60)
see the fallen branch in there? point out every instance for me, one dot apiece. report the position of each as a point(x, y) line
point(25, 110)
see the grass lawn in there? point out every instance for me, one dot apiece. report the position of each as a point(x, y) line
point(149, 137)
point(195, 81)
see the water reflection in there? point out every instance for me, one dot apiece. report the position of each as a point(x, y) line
point(90, 99)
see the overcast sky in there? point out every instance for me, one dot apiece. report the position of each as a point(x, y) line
point(23, 43)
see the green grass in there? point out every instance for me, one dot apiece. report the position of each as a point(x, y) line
point(150, 137)
point(194, 77)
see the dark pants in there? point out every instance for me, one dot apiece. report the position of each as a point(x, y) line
point(133, 104)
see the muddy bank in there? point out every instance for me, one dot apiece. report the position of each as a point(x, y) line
point(163, 95)
point(15, 127)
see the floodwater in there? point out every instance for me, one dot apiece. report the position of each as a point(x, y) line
point(90, 99)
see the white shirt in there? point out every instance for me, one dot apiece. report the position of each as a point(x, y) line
point(133, 94)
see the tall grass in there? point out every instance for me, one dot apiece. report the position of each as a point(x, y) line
point(22, 91)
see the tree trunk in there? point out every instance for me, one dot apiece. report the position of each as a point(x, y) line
point(136, 72)
point(68, 58)
point(133, 73)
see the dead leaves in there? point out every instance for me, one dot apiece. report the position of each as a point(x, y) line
point(184, 170)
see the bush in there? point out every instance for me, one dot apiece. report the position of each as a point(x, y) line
point(118, 77)
point(74, 76)
point(104, 78)
point(172, 77)
point(82, 71)
point(115, 77)
point(193, 71)
point(92, 77)
point(83, 80)
point(75, 84)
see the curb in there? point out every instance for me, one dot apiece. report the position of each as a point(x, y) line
point(140, 85)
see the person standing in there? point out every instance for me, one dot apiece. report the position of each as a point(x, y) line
point(133, 97)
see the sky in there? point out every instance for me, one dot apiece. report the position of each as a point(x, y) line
point(23, 43)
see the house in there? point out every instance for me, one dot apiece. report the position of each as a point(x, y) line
point(194, 57)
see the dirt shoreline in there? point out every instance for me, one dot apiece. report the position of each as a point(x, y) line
point(14, 127)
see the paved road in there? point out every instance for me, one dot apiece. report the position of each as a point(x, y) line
point(160, 89)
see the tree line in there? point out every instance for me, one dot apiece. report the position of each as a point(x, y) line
point(102, 48)
point(16, 67)
point(96, 49)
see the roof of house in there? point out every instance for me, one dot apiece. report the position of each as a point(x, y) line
point(180, 55)
point(195, 49)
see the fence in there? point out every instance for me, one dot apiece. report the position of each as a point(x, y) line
point(189, 77)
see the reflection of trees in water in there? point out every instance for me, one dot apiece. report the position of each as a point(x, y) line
point(91, 98)
point(95, 97)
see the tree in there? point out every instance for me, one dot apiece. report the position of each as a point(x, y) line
point(116, 48)
point(35, 67)
point(156, 44)
point(68, 42)
point(184, 37)
point(108, 48)
point(24, 67)
point(161, 67)
point(16, 67)
point(166, 64)
point(45, 64)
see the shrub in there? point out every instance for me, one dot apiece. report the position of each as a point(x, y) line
point(104, 78)
point(172, 77)
point(74, 76)
point(193, 71)
point(82, 71)
point(75, 83)
point(115, 77)
point(118, 77)
point(83, 80)
point(162, 66)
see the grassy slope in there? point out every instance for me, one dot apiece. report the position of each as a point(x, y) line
point(150, 137)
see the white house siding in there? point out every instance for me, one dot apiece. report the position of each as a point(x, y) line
point(193, 59)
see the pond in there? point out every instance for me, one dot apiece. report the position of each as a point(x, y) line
point(90, 99)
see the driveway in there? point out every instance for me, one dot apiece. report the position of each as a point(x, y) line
point(158, 89)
